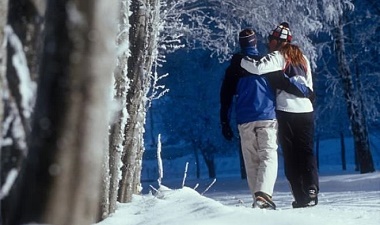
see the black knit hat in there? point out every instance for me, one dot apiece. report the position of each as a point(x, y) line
point(247, 38)
point(282, 32)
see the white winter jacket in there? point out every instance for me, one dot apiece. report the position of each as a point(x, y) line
point(284, 101)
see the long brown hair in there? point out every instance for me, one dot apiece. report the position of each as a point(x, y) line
point(293, 55)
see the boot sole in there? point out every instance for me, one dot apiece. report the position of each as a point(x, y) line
point(263, 203)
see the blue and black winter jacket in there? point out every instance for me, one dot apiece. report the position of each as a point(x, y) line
point(255, 95)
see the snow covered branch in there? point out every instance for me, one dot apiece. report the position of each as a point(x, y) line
point(10, 179)
point(185, 174)
point(212, 183)
point(26, 86)
point(159, 161)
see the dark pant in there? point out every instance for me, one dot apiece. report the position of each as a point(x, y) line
point(295, 133)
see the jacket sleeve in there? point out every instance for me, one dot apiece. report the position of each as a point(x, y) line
point(228, 88)
point(267, 64)
point(278, 80)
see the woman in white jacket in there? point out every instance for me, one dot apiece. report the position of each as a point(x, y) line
point(294, 114)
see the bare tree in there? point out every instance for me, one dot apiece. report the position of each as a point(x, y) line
point(143, 44)
point(354, 105)
point(214, 25)
point(18, 88)
point(117, 136)
point(62, 173)
point(336, 20)
point(3, 53)
point(3, 60)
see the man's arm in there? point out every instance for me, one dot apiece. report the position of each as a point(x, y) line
point(267, 64)
point(228, 90)
point(278, 80)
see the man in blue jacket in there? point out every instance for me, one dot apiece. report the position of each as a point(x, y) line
point(255, 98)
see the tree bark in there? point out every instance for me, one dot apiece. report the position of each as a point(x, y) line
point(62, 178)
point(359, 90)
point(3, 63)
point(3, 59)
point(343, 150)
point(117, 136)
point(22, 26)
point(143, 42)
point(17, 88)
point(356, 116)
point(104, 208)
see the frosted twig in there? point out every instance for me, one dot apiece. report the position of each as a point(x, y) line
point(159, 160)
point(209, 186)
point(9, 181)
point(27, 87)
point(154, 189)
point(185, 174)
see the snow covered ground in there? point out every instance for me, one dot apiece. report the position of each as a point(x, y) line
point(344, 199)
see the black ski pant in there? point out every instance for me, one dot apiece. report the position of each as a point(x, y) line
point(296, 136)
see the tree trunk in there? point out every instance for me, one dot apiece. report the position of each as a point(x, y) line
point(356, 116)
point(104, 209)
point(61, 180)
point(143, 43)
point(27, 24)
point(117, 138)
point(208, 152)
point(343, 150)
point(209, 160)
point(3, 61)
point(197, 163)
point(134, 144)
point(17, 88)
point(359, 92)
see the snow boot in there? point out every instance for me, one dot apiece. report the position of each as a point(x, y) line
point(313, 196)
point(310, 203)
point(313, 192)
point(263, 201)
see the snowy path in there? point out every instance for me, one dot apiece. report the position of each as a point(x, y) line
point(357, 189)
point(346, 199)
point(368, 201)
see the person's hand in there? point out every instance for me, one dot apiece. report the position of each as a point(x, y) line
point(311, 95)
point(227, 131)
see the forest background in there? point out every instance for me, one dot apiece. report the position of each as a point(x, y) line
point(86, 98)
